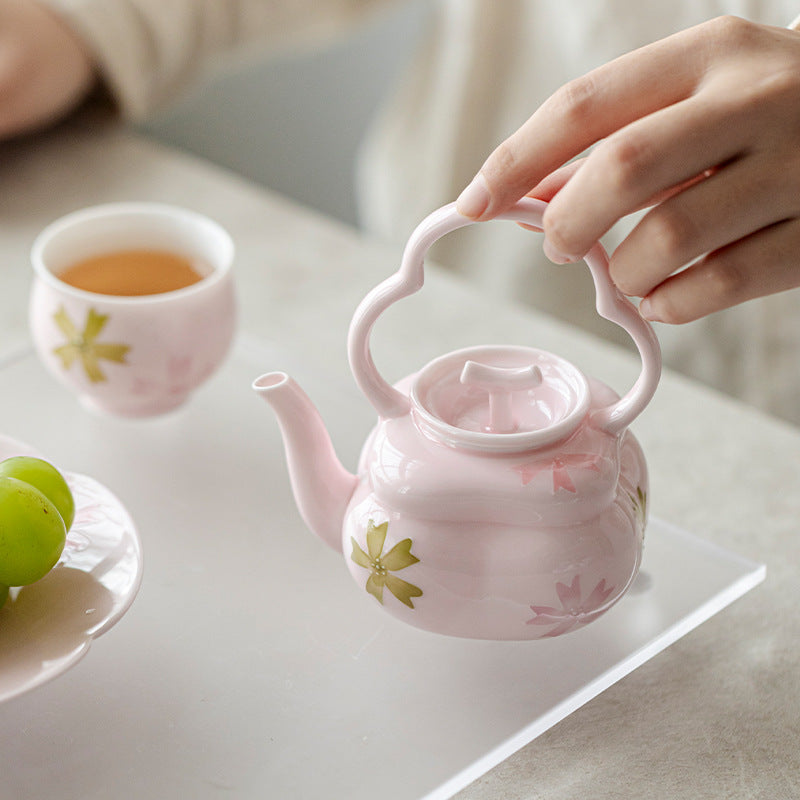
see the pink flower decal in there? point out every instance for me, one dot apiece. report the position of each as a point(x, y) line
point(573, 611)
point(560, 467)
point(177, 379)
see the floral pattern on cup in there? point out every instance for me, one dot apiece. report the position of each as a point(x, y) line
point(179, 376)
point(573, 611)
point(83, 345)
point(381, 566)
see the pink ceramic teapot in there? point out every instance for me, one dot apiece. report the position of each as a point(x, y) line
point(500, 495)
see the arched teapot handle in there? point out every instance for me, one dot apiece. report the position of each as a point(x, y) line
point(611, 305)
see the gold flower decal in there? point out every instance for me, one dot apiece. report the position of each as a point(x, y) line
point(84, 346)
point(381, 566)
point(639, 504)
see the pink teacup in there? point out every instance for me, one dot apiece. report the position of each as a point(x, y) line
point(133, 356)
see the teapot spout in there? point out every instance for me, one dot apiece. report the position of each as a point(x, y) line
point(322, 486)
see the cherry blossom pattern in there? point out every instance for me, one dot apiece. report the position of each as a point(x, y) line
point(573, 611)
point(381, 566)
point(179, 378)
point(559, 466)
point(83, 345)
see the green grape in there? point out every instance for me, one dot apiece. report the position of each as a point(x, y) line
point(3, 594)
point(46, 478)
point(32, 533)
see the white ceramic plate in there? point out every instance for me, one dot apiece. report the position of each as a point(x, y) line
point(47, 627)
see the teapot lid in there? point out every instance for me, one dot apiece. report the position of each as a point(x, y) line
point(500, 399)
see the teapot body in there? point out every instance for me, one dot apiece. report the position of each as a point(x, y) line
point(501, 494)
point(497, 546)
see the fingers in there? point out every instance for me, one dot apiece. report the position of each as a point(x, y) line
point(551, 185)
point(760, 264)
point(581, 113)
point(737, 201)
point(643, 160)
point(701, 127)
point(548, 188)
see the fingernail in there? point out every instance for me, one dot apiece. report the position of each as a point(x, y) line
point(474, 200)
point(647, 311)
point(556, 256)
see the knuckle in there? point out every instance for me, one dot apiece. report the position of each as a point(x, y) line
point(671, 233)
point(777, 91)
point(670, 311)
point(730, 30)
point(506, 171)
point(556, 229)
point(504, 160)
point(736, 47)
point(625, 159)
point(576, 101)
point(726, 280)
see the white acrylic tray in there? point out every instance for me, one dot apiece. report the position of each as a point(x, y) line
point(251, 665)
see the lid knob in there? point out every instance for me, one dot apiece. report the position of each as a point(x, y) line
point(500, 383)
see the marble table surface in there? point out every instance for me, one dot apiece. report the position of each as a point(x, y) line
point(717, 714)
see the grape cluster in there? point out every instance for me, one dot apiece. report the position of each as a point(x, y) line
point(36, 511)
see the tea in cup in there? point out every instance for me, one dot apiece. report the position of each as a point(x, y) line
point(133, 272)
point(133, 304)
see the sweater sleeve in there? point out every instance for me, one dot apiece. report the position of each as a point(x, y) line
point(148, 51)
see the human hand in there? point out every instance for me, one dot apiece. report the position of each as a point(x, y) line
point(44, 69)
point(704, 129)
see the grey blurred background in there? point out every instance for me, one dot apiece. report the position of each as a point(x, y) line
point(294, 121)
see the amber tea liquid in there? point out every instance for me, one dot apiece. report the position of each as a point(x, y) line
point(132, 272)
